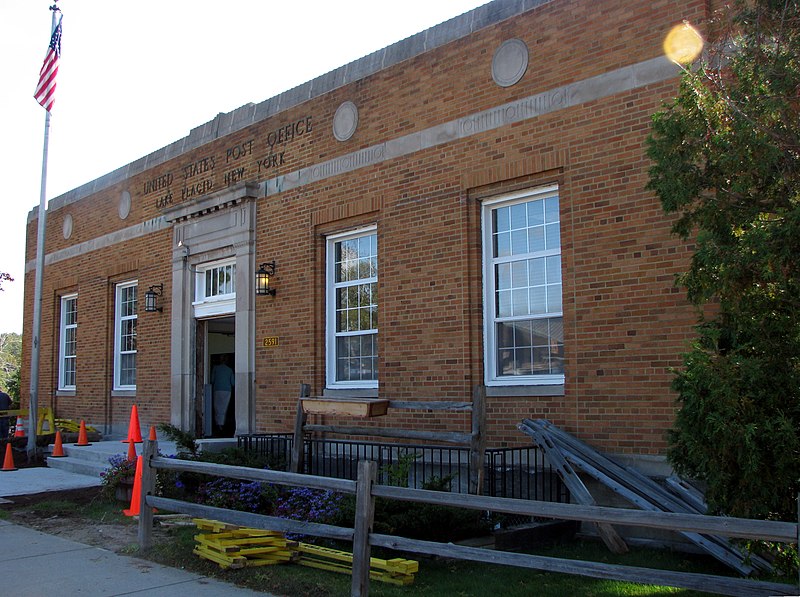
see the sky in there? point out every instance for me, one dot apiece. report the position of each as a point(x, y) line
point(136, 76)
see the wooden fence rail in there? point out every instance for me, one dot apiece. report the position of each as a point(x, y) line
point(366, 491)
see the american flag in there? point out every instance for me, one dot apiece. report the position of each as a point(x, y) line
point(46, 89)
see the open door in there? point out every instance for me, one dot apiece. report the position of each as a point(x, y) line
point(219, 412)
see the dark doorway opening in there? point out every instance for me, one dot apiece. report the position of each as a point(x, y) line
point(220, 366)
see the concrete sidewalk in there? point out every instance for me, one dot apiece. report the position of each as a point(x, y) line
point(39, 565)
point(36, 564)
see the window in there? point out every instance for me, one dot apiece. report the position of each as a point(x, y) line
point(522, 273)
point(218, 281)
point(68, 330)
point(352, 310)
point(215, 288)
point(125, 318)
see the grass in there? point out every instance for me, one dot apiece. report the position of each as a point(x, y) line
point(445, 577)
point(436, 576)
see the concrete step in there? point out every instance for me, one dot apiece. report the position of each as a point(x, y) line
point(93, 459)
point(99, 452)
point(77, 465)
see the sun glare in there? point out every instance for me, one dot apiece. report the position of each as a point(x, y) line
point(683, 44)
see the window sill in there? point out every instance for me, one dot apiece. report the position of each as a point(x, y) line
point(549, 390)
point(123, 393)
point(65, 393)
point(350, 393)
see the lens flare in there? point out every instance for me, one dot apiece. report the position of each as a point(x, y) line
point(683, 44)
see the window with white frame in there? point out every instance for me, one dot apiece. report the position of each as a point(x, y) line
point(522, 271)
point(215, 288)
point(352, 310)
point(125, 318)
point(68, 330)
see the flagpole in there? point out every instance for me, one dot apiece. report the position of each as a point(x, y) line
point(33, 405)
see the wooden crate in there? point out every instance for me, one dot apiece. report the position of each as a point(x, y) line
point(353, 407)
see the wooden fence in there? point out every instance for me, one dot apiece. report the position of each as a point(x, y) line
point(475, 440)
point(366, 490)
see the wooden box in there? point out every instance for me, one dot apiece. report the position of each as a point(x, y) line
point(353, 407)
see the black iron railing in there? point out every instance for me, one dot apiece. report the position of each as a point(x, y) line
point(508, 472)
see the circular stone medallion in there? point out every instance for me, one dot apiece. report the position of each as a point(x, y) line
point(124, 205)
point(67, 226)
point(510, 62)
point(345, 121)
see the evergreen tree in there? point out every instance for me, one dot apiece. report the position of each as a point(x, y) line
point(10, 361)
point(726, 165)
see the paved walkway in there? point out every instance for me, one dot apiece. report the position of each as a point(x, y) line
point(39, 565)
point(36, 564)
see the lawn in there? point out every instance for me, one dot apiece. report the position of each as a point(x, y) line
point(446, 577)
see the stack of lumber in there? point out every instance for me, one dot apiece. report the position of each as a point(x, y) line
point(564, 451)
point(232, 546)
point(396, 571)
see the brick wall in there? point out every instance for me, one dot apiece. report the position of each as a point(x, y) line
point(625, 322)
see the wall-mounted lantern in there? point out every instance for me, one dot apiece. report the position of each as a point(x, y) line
point(265, 271)
point(151, 298)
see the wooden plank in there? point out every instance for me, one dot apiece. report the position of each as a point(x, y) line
point(645, 486)
point(462, 439)
point(255, 474)
point(148, 488)
point(364, 519)
point(644, 493)
point(768, 530)
point(576, 488)
point(248, 519)
point(722, 585)
point(723, 554)
point(477, 446)
point(353, 407)
point(687, 493)
point(296, 463)
point(223, 561)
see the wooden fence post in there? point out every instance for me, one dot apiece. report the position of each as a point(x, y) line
point(477, 445)
point(296, 464)
point(148, 487)
point(365, 516)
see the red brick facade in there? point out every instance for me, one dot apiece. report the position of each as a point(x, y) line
point(625, 324)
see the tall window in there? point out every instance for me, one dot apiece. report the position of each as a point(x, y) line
point(68, 330)
point(352, 310)
point(125, 317)
point(522, 272)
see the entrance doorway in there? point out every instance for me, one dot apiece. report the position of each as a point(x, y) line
point(220, 358)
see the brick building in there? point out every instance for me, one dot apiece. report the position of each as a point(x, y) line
point(466, 206)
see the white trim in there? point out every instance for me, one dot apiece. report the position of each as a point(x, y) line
point(215, 305)
point(118, 336)
point(330, 310)
point(489, 340)
point(62, 332)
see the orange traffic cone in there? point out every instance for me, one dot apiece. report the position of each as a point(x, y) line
point(137, 490)
point(20, 429)
point(153, 437)
point(82, 439)
point(134, 431)
point(131, 451)
point(58, 448)
point(8, 463)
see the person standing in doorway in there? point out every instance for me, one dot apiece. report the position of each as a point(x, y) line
point(222, 384)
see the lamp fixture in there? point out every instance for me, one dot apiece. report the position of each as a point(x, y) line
point(265, 270)
point(151, 298)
